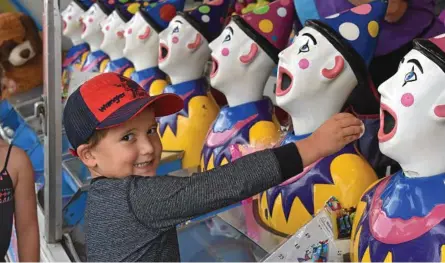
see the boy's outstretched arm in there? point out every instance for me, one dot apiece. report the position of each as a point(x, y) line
point(163, 202)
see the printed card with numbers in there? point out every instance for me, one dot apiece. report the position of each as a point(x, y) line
point(313, 242)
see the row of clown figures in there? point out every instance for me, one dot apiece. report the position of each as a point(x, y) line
point(166, 49)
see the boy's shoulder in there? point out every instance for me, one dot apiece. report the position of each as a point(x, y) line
point(103, 182)
point(129, 183)
point(107, 195)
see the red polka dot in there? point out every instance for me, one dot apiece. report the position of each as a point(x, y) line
point(362, 9)
point(407, 99)
point(167, 12)
point(215, 2)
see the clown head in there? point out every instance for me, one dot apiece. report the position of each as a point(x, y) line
point(72, 26)
point(183, 46)
point(247, 50)
point(113, 28)
point(91, 32)
point(142, 31)
point(412, 121)
point(326, 61)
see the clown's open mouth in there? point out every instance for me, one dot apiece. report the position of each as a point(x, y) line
point(388, 123)
point(163, 52)
point(284, 82)
point(214, 67)
point(84, 27)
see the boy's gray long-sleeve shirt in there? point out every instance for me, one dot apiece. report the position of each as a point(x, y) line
point(134, 219)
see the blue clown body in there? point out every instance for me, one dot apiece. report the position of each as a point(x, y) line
point(233, 126)
point(95, 62)
point(146, 78)
point(186, 130)
point(74, 59)
point(416, 206)
point(121, 66)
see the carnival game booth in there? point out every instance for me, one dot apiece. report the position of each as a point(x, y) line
point(244, 70)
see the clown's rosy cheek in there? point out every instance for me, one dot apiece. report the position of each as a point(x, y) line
point(225, 52)
point(303, 64)
point(407, 99)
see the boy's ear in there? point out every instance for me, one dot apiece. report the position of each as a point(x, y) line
point(85, 155)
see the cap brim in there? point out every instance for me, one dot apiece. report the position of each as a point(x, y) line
point(164, 104)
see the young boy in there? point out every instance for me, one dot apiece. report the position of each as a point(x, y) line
point(131, 214)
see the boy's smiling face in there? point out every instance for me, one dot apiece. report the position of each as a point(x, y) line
point(133, 148)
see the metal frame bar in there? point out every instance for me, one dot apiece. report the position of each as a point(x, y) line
point(53, 115)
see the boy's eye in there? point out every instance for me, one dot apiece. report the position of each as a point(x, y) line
point(128, 137)
point(176, 30)
point(152, 130)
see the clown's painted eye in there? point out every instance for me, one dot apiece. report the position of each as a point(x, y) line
point(304, 48)
point(410, 77)
point(227, 38)
point(176, 30)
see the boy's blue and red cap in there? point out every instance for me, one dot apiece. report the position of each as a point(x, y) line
point(108, 100)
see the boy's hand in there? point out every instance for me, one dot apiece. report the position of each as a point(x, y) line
point(329, 138)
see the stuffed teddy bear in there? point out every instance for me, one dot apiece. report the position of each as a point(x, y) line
point(20, 53)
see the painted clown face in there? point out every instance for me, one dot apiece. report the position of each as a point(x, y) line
point(182, 45)
point(311, 70)
point(139, 37)
point(412, 120)
point(72, 26)
point(91, 21)
point(113, 29)
point(236, 58)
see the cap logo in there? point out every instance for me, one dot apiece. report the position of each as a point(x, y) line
point(108, 104)
point(130, 89)
point(130, 86)
point(108, 92)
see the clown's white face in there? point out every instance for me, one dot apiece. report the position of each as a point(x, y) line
point(412, 120)
point(141, 42)
point(72, 26)
point(312, 72)
point(183, 51)
point(240, 66)
point(113, 28)
point(91, 31)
